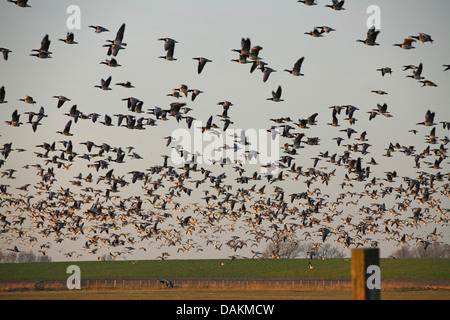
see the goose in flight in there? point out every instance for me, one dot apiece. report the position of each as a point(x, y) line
point(267, 72)
point(104, 84)
point(28, 99)
point(349, 131)
point(297, 67)
point(308, 2)
point(429, 119)
point(417, 73)
point(380, 92)
point(42, 52)
point(183, 89)
point(111, 63)
point(423, 37)
point(66, 131)
point(336, 5)
point(276, 95)
point(316, 33)
point(125, 84)
point(21, 3)
point(325, 233)
point(245, 47)
point(247, 51)
point(225, 104)
point(39, 115)
point(257, 64)
point(69, 38)
point(243, 60)
point(168, 43)
point(169, 54)
point(175, 108)
point(325, 29)
point(108, 121)
point(254, 53)
point(41, 55)
point(385, 70)
point(15, 119)
point(119, 37)
point(5, 53)
point(382, 109)
point(194, 93)
point(201, 63)
point(169, 46)
point(334, 121)
point(113, 49)
point(61, 100)
point(2, 95)
point(408, 67)
point(99, 29)
point(428, 83)
point(407, 44)
point(371, 37)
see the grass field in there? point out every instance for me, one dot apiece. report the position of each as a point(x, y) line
point(270, 268)
point(237, 269)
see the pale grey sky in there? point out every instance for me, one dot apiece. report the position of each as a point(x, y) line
point(338, 71)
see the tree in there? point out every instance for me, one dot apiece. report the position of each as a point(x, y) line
point(23, 256)
point(293, 249)
point(432, 250)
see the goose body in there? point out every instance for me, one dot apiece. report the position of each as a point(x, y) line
point(428, 83)
point(336, 5)
point(2, 95)
point(125, 84)
point(28, 99)
point(99, 29)
point(276, 95)
point(385, 70)
point(111, 63)
point(407, 44)
point(267, 72)
point(429, 119)
point(20, 3)
point(69, 38)
point(42, 52)
point(371, 37)
point(15, 119)
point(201, 63)
point(104, 84)
point(296, 70)
point(66, 131)
point(316, 33)
point(169, 47)
point(61, 100)
point(417, 75)
point(5, 52)
point(308, 2)
point(423, 37)
point(119, 37)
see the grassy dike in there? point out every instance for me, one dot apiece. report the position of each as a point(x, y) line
point(247, 268)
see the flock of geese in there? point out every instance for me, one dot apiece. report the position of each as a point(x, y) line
point(240, 209)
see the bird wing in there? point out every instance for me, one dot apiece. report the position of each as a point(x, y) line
point(119, 35)
point(67, 128)
point(107, 82)
point(298, 64)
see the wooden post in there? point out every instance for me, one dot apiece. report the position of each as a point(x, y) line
point(366, 276)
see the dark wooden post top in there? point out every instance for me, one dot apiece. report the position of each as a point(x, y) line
point(366, 277)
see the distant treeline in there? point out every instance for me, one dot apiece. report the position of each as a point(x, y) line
point(434, 250)
point(22, 256)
